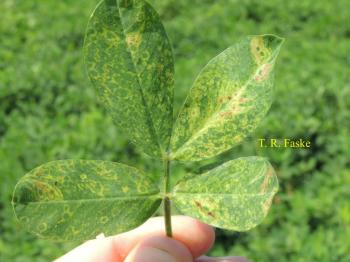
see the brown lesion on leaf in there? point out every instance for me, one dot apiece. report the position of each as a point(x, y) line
point(224, 99)
point(201, 208)
point(236, 109)
point(199, 205)
point(229, 98)
point(211, 214)
point(227, 113)
point(263, 72)
point(258, 49)
point(266, 205)
point(243, 100)
point(236, 100)
point(266, 181)
point(46, 191)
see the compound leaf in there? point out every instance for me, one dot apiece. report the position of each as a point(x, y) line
point(129, 60)
point(228, 99)
point(79, 199)
point(235, 195)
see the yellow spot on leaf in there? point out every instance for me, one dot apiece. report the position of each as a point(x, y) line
point(134, 39)
point(42, 227)
point(74, 230)
point(125, 189)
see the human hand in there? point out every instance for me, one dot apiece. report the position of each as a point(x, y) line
point(147, 243)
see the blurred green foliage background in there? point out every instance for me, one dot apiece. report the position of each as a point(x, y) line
point(49, 110)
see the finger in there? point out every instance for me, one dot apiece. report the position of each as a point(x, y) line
point(195, 235)
point(159, 249)
point(93, 251)
point(221, 259)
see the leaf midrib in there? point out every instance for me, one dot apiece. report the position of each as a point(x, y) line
point(93, 199)
point(222, 194)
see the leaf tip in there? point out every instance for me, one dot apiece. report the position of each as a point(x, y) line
point(265, 48)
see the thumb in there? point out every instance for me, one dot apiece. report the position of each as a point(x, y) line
point(159, 249)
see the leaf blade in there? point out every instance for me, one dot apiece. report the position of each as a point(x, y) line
point(228, 99)
point(234, 196)
point(79, 199)
point(129, 60)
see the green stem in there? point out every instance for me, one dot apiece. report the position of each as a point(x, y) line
point(166, 200)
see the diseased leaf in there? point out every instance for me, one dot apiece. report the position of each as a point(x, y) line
point(129, 60)
point(235, 195)
point(228, 99)
point(79, 199)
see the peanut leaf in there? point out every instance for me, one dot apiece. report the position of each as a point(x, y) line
point(228, 99)
point(79, 199)
point(235, 195)
point(129, 60)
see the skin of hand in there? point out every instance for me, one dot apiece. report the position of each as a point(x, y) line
point(148, 243)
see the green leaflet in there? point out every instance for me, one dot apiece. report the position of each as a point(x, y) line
point(228, 99)
point(79, 199)
point(129, 60)
point(235, 195)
